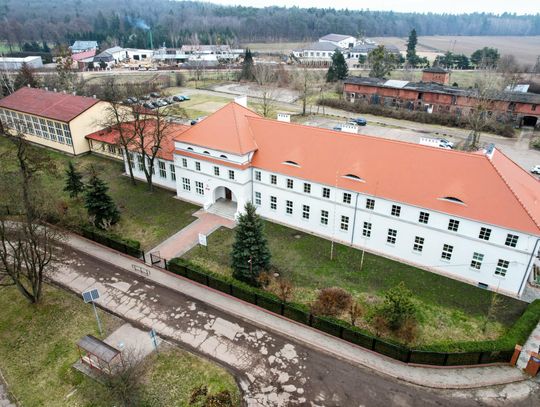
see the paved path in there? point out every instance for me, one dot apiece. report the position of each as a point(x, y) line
point(532, 345)
point(188, 237)
point(4, 400)
point(273, 370)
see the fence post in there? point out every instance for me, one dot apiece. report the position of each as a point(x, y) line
point(409, 354)
point(373, 343)
point(310, 320)
point(480, 354)
point(445, 359)
point(256, 299)
point(282, 308)
point(207, 280)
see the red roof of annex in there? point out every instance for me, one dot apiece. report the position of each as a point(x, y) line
point(59, 106)
point(495, 191)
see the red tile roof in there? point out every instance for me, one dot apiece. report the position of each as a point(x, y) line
point(496, 191)
point(59, 106)
point(110, 136)
point(227, 130)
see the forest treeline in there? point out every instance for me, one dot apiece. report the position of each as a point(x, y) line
point(126, 22)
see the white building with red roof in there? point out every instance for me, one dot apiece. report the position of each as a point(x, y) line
point(471, 216)
point(53, 119)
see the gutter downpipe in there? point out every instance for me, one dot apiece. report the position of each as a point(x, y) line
point(526, 276)
point(354, 217)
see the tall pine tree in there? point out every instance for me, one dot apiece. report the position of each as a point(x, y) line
point(412, 58)
point(99, 204)
point(25, 77)
point(74, 184)
point(250, 254)
point(247, 72)
point(338, 70)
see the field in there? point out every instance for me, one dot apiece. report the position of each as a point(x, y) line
point(147, 217)
point(447, 309)
point(525, 49)
point(37, 349)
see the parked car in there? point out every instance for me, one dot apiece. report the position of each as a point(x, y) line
point(152, 68)
point(135, 100)
point(337, 128)
point(148, 105)
point(186, 97)
point(536, 169)
point(161, 103)
point(128, 101)
point(178, 98)
point(170, 101)
point(197, 120)
point(142, 68)
point(359, 121)
point(155, 94)
point(145, 97)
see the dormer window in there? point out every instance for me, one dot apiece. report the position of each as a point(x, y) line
point(353, 177)
point(223, 156)
point(294, 164)
point(190, 149)
point(206, 152)
point(452, 199)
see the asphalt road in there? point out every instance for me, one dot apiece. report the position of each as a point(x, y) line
point(270, 368)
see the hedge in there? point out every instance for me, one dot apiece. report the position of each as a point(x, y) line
point(446, 354)
point(112, 240)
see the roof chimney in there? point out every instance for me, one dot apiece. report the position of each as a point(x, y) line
point(46, 88)
point(74, 93)
point(54, 89)
point(284, 117)
point(241, 100)
point(94, 96)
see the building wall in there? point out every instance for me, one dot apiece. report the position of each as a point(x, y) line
point(87, 122)
point(106, 149)
point(40, 130)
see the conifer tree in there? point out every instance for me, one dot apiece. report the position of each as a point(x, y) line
point(338, 70)
point(74, 184)
point(247, 67)
point(25, 77)
point(250, 253)
point(100, 206)
point(412, 58)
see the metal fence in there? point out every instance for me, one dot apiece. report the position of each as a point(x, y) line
point(338, 328)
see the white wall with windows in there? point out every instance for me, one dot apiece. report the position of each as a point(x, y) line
point(164, 173)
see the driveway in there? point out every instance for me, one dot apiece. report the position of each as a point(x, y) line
point(272, 370)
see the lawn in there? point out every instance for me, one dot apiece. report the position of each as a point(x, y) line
point(37, 349)
point(147, 217)
point(448, 309)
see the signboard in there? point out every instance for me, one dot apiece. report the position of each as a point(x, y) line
point(202, 239)
point(90, 295)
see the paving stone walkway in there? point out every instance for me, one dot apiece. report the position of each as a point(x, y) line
point(188, 237)
point(532, 345)
point(4, 400)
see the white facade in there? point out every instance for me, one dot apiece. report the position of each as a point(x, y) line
point(478, 253)
point(340, 41)
point(139, 54)
point(9, 63)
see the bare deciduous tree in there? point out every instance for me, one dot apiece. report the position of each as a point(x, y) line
point(265, 76)
point(306, 82)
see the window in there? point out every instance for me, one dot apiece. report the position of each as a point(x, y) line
point(162, 169)
point(418, 244)
point(396, 210)
point(140, 163)
point(293, 163)
point(476, 261)
point(324, 217)
point(453, 225)
point(223, 156)
point(206, 152)
point(173, 172)
point(273, 179)
point(447, 252)
point(289, 207)
point(231, 174)
point(485, 233)
point(391, 237)
point(257, 175)
point(366, 230)
point(370, 203)
point(184, 162)
point(216, 171)
point(199, 188)
point(307, 188)
point(258, 198)
point(511, 240)
point(305, 211)
point(344, 223)
point(424, 217)
point(326, 192)
point(273, 203)
point(185, 184)
point(346, 198)
point(502, 267)
point(290, 183)
point(131, 159)
point(111, 148)
point(197, 165)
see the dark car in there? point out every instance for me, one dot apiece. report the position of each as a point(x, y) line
point(178, 98)
point(359, 121)
point(148, 105)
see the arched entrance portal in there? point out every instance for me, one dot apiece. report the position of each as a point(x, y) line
point(530, 121)
point(224, 203)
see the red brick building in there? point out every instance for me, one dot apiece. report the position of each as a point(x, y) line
point(521, 108)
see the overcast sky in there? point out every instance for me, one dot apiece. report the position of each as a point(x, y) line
point(452, 6)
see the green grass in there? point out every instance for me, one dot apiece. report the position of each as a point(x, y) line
point(37, 350)
point(147, 217)
point(448, 309)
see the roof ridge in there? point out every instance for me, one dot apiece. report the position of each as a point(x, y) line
point(511, 189)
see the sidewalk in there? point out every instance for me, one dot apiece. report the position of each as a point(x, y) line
point(434, 377)
point(188, 237)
